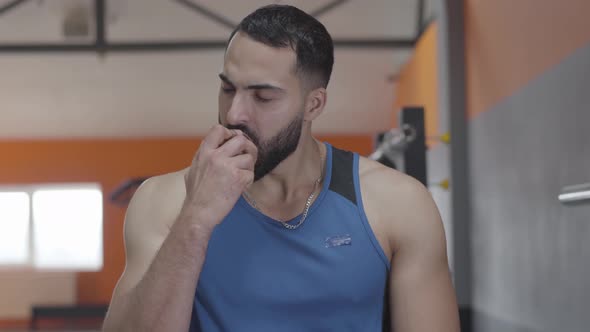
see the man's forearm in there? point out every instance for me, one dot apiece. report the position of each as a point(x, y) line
point(163, 299)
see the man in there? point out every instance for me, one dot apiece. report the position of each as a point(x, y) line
point(271, 230)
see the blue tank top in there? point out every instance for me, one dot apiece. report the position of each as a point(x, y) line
point(329, 274)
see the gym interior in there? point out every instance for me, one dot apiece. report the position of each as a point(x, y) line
point(486, 103)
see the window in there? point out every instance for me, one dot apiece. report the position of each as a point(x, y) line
point(57, 227)
point(14, 228)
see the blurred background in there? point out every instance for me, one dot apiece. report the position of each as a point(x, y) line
point(97, 95)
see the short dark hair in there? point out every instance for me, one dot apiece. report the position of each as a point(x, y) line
point(287, 26)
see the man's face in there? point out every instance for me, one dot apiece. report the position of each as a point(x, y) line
point(273, 151)
point(261, 95)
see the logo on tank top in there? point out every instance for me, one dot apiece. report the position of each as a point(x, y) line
point(338, 241)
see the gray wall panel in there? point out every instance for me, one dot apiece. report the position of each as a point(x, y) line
point(531, 255)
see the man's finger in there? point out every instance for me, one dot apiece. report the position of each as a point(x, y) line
point(244, 161)
point(217, 136)
point(237, 145)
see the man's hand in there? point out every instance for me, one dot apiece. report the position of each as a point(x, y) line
point(220, 172)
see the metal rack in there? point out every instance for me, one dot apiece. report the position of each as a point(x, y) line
point(101, 44)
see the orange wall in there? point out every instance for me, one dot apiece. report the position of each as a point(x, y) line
point(110, 162)
point(417, 84)
point(509, 43)
point(14, 324)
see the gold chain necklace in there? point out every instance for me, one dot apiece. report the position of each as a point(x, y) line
point(307, 203)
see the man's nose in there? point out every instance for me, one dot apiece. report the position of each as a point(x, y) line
point(239, 111)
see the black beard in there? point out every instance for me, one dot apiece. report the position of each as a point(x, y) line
point(272, 152)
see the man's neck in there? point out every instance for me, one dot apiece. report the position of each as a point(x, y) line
point(295, 175)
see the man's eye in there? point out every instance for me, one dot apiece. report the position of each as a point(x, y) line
point(227, 89)
point(262, 99)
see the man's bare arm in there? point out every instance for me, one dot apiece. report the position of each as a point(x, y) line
point(421, 291)
point(156, 291)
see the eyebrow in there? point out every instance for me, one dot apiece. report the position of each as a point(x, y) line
point(262, 86)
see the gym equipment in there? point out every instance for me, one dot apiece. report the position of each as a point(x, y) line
point(404, 148)
point(577, 194)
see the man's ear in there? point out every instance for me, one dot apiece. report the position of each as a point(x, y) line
point(315, 103)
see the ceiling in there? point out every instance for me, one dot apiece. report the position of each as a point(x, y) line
point(174, 93)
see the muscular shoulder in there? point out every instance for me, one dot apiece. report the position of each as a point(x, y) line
point(150, 214)
point(156, 203)
point(388, 189)
point(380, 179)
point(400, 206)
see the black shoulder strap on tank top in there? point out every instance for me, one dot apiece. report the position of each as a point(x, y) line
point(342, 181)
